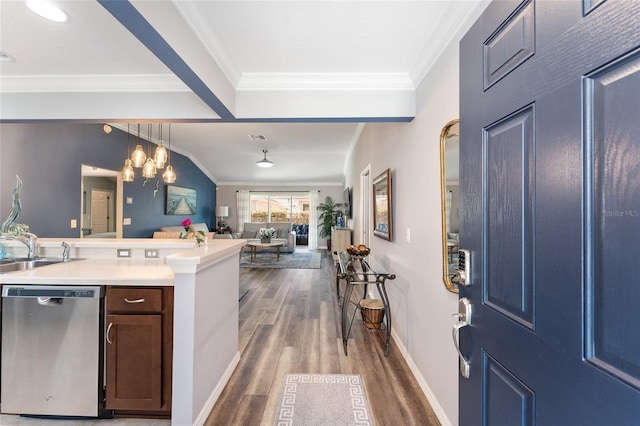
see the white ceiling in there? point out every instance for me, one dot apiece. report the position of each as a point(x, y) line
point(306, 74)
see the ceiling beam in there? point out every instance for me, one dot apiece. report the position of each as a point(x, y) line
point(133, 21)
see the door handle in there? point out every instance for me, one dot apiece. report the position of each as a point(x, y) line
point(49, 301)
point(109, 341)
point(464, 319)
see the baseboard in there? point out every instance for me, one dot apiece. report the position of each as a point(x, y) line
point(431, 397)
point(217, 391)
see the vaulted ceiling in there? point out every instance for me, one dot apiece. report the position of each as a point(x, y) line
point(305, 74)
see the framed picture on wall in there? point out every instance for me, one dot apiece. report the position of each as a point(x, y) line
point(382, 207)
point(348, 210)
point(180, 201)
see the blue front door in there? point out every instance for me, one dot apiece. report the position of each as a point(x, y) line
point(550, 213)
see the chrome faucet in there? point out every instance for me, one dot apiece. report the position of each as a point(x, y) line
point(28, 239)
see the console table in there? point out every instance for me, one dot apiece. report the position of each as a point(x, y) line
point(357, 271)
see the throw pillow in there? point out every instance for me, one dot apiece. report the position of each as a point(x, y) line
point(247, 235)
point(195, 227)
point(281, 233)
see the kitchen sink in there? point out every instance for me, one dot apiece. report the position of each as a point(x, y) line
point(8, 265)
point(12, 260)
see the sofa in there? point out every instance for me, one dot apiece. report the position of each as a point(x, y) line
point(193, 227)
point(284, 234)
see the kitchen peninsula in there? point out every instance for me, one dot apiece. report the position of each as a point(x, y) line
point(205, 282)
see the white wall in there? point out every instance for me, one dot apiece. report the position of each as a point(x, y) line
point(420, 304)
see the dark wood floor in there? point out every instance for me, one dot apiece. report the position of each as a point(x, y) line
point(290, 323)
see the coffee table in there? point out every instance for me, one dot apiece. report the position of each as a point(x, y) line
point(254, 245)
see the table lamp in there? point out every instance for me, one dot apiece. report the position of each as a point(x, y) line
point(222, 212)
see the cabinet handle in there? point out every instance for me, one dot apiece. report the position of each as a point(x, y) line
point(134, 301)
point(109, 341)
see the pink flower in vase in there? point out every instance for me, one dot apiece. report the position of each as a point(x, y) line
point(185, 223)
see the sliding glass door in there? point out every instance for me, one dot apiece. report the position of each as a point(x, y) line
point(280, 207)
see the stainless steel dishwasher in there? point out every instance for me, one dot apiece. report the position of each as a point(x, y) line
point(51, 350)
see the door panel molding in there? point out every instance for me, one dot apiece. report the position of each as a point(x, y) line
point(509, 170)
point(589, 5)
point(505, 396)
point(612, 134)
point(512, 43)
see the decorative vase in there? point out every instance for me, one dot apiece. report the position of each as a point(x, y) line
point(9, 226)
point(265, 240)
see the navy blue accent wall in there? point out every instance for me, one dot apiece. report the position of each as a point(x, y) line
point(48, 159)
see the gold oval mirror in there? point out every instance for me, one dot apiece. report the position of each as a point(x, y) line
point(449, 198)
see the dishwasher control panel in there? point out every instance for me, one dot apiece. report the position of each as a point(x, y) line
point(51, 291)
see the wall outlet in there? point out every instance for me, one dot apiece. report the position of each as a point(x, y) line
point(74, 223)
point(128, 200)
point(151, 253)
point(126, 221)
point(124, 252)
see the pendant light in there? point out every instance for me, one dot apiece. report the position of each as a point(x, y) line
point(149, 169)
point(169, 175)
point(160, 156)
point(127, 170)
point(264, 162)
point(138, 157)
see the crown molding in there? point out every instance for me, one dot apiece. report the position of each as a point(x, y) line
point(263, 183)
point(325, 81)
point(92, 83)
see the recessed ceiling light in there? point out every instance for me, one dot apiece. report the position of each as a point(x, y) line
point(6, 58)
point(47, 10)
point(258, 137)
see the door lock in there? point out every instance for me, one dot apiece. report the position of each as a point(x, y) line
point(464, 319)
point(463, 275)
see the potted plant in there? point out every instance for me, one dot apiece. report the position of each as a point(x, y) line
point(198, 236)
point(265, 234)
point(329, 214)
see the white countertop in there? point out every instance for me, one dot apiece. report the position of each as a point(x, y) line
point(95, 272)
point(120, 271)
point(112, 242)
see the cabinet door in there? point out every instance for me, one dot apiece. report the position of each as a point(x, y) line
point(134, 362)
point(340, 239)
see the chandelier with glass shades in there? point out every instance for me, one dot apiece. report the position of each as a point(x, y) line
point(149, 164)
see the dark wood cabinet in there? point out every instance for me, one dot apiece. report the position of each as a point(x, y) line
point(139, 347)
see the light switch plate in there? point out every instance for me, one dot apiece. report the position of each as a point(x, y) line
point(124, 252)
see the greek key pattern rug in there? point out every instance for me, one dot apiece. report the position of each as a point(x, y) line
point(298, 260)
point(323, 399)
